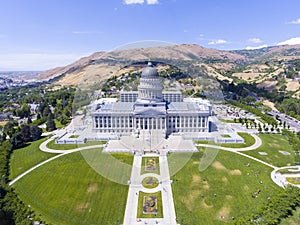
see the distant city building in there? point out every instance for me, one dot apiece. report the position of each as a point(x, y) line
point(151, 109)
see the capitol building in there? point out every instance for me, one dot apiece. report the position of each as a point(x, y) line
point(151, 110)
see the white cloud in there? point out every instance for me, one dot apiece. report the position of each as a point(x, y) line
point(149, 2)
point(254, 40)
point(218, 42)
point(130, 2)
point(291, 41)
point(257, 47)
point(152, 2)
point(297, 21)
point(36, 61)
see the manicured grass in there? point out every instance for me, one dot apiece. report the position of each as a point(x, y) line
point(248, 141)
point(24, 158)
point(123, 157)
point(272, 144)
point(55, 146)
point(58, 124)
point(67, 191)
point(204, 142)
point(230, 179)
point(140, 213)
point(74, 136)
point(143, 170)
point(225, 135)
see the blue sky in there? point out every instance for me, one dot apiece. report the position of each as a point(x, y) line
point(42, 34)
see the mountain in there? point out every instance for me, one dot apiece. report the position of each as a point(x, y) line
point(101, 65)
point(270, 68)
point(271, 53)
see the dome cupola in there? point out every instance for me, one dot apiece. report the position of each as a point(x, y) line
point(150, 71)
point(150, 87)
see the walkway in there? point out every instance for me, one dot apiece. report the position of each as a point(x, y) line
point(43, 147)
point(257, 144)
point(169, 217)
point(135, 183)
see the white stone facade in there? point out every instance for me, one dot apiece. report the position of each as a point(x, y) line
point(148, 111)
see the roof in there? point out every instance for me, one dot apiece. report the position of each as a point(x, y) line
point(116, 107)
point(150, 72)
point(186, 106)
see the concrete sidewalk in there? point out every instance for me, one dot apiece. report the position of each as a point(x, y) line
point(169, 217)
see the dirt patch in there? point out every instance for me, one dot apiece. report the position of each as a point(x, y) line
point(82, 206)
point(196, 162)
point(190, 199)
point(273, 145)
point(235, 172)
point(248, 76)
point(223, 213)
point(292, 85)
point(196, 179)
point(267, 85)
point(224, 179)
point(270, 104)
point(246, 188)
point(218, 165)
point(228, 197)
point(92, 188)
point(205, 185)
point(204, 205)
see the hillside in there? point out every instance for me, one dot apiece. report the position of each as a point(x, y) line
point(271, 68)
point(102, 65)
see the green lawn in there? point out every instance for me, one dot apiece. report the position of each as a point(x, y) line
point(230, 179)
point(248, 141)
point(67, 191)
point(58, 124)
point(55, 146)
point(24, 158)
point(123, 157)
point(272, 144)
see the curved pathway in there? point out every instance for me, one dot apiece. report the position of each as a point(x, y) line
point(256, 145)
point(280, 179)
point(44, 148)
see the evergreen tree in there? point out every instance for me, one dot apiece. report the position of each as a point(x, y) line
point(50, 124)
point(25, 132)
point(16, 141)
point(35, 132)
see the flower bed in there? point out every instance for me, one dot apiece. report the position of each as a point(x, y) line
point(293, 180)
point(150, 205)
point(150, 182)
point(150, 165)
